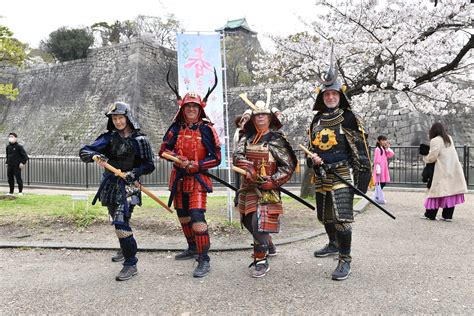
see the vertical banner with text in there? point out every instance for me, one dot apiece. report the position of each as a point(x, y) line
point(198, 55)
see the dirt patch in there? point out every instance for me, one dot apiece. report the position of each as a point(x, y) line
point(148, 230)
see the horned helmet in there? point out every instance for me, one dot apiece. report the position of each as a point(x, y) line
point(329, 81)
point(191, 97)
point(120, 108)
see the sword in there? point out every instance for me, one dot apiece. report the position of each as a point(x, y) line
point(283, 190)
point(121, 174)
point(350, 185)
point(210, 175)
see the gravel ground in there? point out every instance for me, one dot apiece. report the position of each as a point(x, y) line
point(406, 266)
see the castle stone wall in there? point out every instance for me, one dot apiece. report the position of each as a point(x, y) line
point(61, 107)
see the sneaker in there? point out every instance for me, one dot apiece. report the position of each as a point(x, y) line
point(260, 269)
point(424, 217)
point(8, 193)
point(342, 271)
point(20, 194)
point(329, 249)
point(187, 254)
point(272, 252)
point(202, 269)
point(118, 256)
point(444, 219)
point(126, 273)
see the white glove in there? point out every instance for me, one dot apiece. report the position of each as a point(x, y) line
point(378, 169)
point(22, 165)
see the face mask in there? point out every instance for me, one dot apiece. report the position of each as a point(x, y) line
point(11, 139)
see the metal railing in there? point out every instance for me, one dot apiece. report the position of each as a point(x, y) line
point(69, 171)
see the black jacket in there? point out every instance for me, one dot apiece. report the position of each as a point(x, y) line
point(428, 170)
point(16, 154)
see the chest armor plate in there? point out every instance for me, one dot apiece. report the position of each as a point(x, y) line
point(262, 159)
point(328, 140)
point(121, 153)
point(189, 144)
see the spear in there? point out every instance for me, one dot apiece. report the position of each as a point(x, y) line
point(307, 151)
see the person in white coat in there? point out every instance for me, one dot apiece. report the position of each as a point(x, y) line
point(448, 185)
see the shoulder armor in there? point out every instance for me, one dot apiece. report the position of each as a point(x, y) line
point(106, 134)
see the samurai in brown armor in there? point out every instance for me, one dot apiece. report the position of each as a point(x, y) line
point(193, 140)
point(337, 140)
point(269, 160)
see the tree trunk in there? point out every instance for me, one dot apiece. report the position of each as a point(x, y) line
point(307, 188)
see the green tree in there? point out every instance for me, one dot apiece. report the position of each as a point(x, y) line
point(68, 44)
point(114, 33)
point(12, 53)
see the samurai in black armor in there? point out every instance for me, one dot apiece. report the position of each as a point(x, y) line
point(127, 149)
point(337, 140)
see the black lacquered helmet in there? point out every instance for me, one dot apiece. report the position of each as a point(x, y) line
point(120, 108)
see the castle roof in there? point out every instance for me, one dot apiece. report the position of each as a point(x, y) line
point(236, 25)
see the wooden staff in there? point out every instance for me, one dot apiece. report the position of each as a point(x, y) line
point(170, 157)
point(210, 175)
point(239, 170)
point(121, 174)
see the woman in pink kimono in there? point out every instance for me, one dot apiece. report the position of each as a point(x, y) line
point(381, 156)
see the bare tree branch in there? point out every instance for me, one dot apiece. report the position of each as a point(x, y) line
point(452, 65)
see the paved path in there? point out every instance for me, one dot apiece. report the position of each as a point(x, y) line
point(406, 266)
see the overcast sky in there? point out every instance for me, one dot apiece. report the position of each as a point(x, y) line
point(33, 20)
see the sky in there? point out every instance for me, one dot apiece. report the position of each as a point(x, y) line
point(33, 20)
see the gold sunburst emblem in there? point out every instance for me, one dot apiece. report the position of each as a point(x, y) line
point(325, 139)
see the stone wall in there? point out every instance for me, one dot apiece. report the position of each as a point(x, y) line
point(61, 107)
point(402, 126)
point(409, 127)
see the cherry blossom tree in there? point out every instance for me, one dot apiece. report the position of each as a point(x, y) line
point(415, 50)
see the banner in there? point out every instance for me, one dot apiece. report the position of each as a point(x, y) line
point(198, 55)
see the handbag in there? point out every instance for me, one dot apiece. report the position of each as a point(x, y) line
point(379, 197)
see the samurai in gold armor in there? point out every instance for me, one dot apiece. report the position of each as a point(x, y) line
point(269, 160)
point(337, 140)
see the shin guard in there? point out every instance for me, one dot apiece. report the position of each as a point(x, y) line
point(128, 243)
point(344, 239)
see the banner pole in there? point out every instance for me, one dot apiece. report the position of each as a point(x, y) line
point(227, 138)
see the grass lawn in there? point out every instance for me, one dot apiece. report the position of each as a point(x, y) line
point(33, 209)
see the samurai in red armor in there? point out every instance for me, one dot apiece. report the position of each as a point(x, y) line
point(193, 140)
point(269, 160)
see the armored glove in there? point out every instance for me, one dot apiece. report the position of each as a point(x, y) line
point(184, 162)
point(192, 167)
point(268, 184)
point(251, 175)
point(130, 177)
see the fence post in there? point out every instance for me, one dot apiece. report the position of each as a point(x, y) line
point(87, 176)
point(28, 174)
point(466, 163)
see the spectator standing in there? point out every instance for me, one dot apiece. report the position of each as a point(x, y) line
point(16, 160)
point(448, 184)
point(381, 156)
